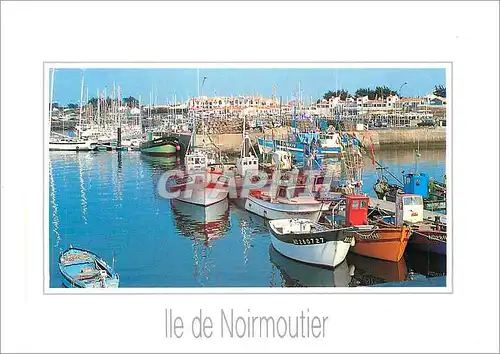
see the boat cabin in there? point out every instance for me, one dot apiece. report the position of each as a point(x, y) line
point(248, 163)
point(196, 162)
point(356, 210)
point(416, 184)
point(409, 208)
point(285, 192)
point(282, 160)
point(330, 140)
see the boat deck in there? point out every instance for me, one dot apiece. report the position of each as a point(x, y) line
point(391, 208)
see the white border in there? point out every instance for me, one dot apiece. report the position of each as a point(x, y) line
point(466, 33)
point(262, 290)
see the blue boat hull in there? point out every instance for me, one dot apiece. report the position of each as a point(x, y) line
point(422, 244)
point(294, 147)
point(83, 269)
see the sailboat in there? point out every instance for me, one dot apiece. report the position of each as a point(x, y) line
point(60, 142)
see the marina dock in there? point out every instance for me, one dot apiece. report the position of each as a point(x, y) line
point(390, 207)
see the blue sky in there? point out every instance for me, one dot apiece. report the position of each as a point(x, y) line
point(226, 82)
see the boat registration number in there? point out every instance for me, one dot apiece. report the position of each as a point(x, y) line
point(308, 241)
point(348, 239)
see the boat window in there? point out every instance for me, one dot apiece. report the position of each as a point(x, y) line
point(282, 193)
point(363, 204)
point(355, 204)
point(414, 200)
point(244, 163)
point(255, 162)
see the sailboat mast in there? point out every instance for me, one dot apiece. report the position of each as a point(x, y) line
point(87, 111)
point(140, 113)
point(98, 109)
point(81, 106)
point(113, 104)
point(51, 98)
point(105, 106)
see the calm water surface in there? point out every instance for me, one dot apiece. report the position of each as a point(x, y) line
point(107, 202)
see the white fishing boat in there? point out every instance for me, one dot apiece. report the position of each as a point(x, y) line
point(309, 242)
point(202, 183)
point(199, 185)
point(283, 203)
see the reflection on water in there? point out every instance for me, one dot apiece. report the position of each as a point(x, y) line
point(108, 202)
point(298, 274)
point(371, 271)
point(426, 263)
point(201, 223)
point(53, 206)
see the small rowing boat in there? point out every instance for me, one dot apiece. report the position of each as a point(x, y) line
point(83, 269)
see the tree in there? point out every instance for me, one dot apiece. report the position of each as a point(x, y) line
point(130, 101)
point(343, 94)
point(440, 91)
point(380, 92)
point(361, 92)
point(93, 101)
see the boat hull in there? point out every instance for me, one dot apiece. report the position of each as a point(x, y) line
point(386, 243)
point(328, 254)
point(429, 242)
point(199, 189)
point(203, 196)
point(274, 211)
point(83, 269)
point(325, 248)
point(295, 147)
point(70, 146)
point(159, 148)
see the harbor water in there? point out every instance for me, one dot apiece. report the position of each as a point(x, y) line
point(107, 202)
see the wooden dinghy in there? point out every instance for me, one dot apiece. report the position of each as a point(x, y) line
point(83, 269)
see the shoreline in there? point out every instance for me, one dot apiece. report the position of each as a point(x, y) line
point(381, 139)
